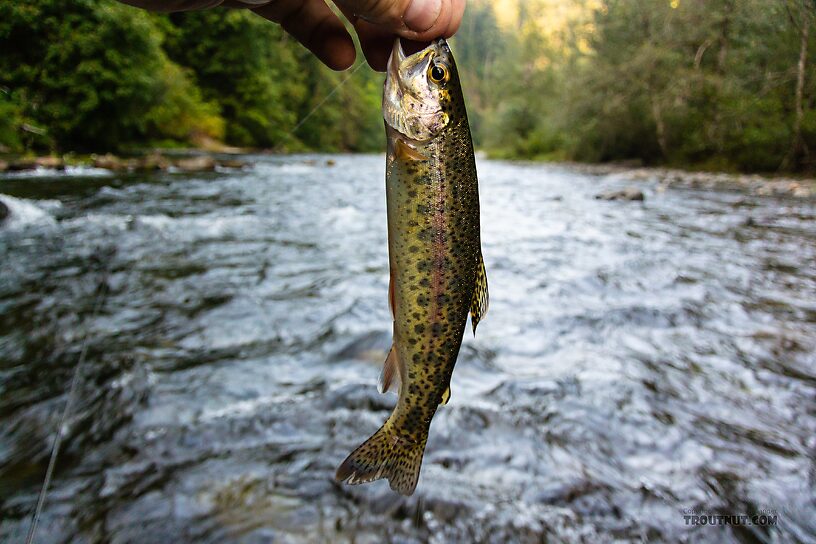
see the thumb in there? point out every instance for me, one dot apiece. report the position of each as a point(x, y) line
point(414, 19)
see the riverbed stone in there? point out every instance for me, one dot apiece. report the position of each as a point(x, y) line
point(108, 161)
point(50, 162)
point(196, 164)
point(4, 212)
point(627, 194)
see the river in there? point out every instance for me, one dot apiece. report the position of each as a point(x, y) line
point(640, 363)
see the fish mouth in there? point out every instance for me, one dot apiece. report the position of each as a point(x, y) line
point(398, 57)
point(409, 105)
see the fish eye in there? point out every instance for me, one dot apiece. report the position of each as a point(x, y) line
point(438, 73)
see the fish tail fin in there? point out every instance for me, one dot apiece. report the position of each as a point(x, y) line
point(385, 455)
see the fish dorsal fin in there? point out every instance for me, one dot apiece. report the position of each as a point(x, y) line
point(389, 372)
point(405, 152)
point(445, 396)
point(480, 300)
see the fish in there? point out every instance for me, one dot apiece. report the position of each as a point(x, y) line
point(437, 274)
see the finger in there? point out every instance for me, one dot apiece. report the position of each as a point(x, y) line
point(457, 12)
point(418, 20)
point(314, 24)
point(376, 44)
point(375, 41)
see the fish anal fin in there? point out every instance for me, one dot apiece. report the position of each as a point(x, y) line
point(445, 396)
point(480, 301)
point(405, 152)
point(389, 372)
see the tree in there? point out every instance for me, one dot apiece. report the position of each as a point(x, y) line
point(88, 72)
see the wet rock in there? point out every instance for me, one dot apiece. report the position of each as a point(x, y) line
point(628, 194)
point(231, 163)
point(153, 162)
point(371, 346)
point(196, 164)
point(52, 163)
point(331, 162)
point(3, 166)
point(4, 212)
point(22, 165)
point(358, 396)
point(109, 161)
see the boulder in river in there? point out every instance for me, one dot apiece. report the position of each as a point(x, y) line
point(22, 165)
point(630, 194)
point(4, 212)
point(3, 166)
point(50, 162)
point(109, 161)
point(196, 164)
point(231, 163)
point(153, 162)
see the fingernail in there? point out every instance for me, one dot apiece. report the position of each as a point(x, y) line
point(422, 14)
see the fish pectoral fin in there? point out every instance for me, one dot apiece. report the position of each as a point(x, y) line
point(445, 396)
point(389, 372)
point(405, 152)
point(481, 300)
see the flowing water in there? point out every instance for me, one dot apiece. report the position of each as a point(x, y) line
point(639, 362)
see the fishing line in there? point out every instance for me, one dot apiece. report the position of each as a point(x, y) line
point(325, 98)
point(61, 429)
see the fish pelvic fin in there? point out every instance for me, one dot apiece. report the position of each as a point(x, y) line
point(385, 455)
point(481, 300)
point(390, 371)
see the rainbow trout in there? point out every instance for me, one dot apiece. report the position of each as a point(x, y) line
point(437, 272)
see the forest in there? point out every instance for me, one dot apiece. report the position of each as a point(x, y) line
point(706, 84)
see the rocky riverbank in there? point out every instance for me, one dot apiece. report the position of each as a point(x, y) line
point(150, 162)
point(666, 178)
point(753, 184)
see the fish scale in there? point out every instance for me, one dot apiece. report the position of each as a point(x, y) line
point(437, 272)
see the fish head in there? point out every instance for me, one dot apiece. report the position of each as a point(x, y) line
point(417, 93)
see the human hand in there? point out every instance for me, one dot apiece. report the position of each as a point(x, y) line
point(376, 22)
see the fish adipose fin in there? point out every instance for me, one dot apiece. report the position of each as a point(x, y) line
point(389, 372)
point(384, 455)
point(481, 300)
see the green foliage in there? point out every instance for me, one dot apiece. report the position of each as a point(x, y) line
point(180, 113)
point(11, 120)
point(713, 83)
point(99, 75)
point(93, 74)
point(264, 83)
point(684, 82)
point(241, 63)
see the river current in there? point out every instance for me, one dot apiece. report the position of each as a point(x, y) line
point(641, 364)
